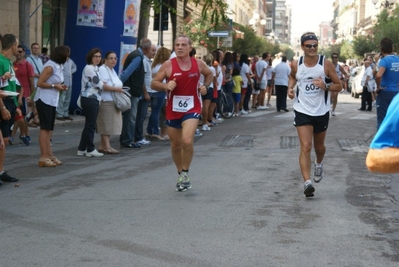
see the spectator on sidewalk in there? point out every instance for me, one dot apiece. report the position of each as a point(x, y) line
point(8, 104)
point(281, 77)
point(48, 90)
point(133, 77)
point(158, 100)
point(25, 75)
point(90, 97)
point(387, 79)
point(144, 98)
point(109, 120)
point(65, 97)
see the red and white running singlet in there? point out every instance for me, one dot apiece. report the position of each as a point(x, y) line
point(185, 98)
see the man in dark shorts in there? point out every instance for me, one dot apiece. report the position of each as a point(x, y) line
point(8, 105)
point(312, 105)
point(183, 106)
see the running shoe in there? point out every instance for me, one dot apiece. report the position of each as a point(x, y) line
point(24, 140)
point(29, 116)
point(197, 132)
point(178, 184)
point(243, 112)
point(205, 127)
point(332, 112)
point(308, 189)
point(185, 184)
point(318, 172)
point(144, 142)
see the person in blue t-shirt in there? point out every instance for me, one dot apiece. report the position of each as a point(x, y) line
point(383, 155)
point(387, 78)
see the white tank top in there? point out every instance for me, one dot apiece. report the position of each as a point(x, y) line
point(310, 99)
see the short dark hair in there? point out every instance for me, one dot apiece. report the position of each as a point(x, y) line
point(334, 54)
point(284, 58)
point(34, 44)
point(8, 41)
point(22, 47)
point(236, 71)
point(264, 55)
point(386, 45)
point(44, 50)
point(193, 52)
point(60, 54)
point(89, 56)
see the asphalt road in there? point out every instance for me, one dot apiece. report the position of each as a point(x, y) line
point(246, 207)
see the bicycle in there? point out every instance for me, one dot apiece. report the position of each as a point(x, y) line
point(226, 104)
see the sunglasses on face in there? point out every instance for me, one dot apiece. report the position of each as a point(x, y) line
point(311, 46)
point(20, 52)
point(334, 57)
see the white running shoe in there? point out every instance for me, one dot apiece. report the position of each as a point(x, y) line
point(243, 112)
point(205, 127)
point(94, 153)
point(144, 142)
point(81, 153)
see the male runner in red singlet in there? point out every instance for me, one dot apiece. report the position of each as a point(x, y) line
point(183, 104)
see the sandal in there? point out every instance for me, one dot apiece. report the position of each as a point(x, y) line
point(46, 162)
point(158, 137)
point(113, 151)
point(166, 137)
point(56, 161)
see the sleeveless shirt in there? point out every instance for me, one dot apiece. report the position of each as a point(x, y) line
point(185, 98)
point(310, 99)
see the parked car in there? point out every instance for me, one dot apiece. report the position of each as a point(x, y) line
point(355, 80)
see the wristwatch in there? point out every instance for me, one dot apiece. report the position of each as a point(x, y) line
point(52, 86)
point(206, 86)
point(327, 87)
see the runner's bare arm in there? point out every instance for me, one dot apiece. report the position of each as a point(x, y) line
point(329, 69)
point(163, 73)
point(292, 80)
point(384, 160)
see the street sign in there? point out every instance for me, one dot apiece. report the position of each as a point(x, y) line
point(218, 34)
point(227, 42)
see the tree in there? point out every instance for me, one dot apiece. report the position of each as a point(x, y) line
point(213, 11)
point(23, 12)
point(363, 44)
point(387, 26)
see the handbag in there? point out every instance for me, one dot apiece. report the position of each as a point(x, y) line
point(371, 85)
point(78, 102)
point(122, 100)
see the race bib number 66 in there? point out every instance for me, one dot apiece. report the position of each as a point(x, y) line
point(182, 103)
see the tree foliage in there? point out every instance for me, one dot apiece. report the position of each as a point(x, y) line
point(363, 44)
point(213, 11)
point(387, 26)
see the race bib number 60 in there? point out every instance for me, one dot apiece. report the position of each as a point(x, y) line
point(182, 103)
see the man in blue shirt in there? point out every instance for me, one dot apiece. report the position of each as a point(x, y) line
point(383, 155)
point(387, 79)
point(133, 77)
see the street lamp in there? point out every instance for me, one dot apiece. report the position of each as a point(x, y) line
point(254, 21)
point(384, 3)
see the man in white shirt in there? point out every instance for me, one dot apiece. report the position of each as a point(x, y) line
point(36, 61)
point(366, 94)
point(281, 77)
point(261, 77)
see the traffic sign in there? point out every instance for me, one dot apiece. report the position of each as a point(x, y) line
point(218, 34)
point(227, 42)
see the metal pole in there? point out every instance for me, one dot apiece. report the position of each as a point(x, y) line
point(217, 45)
point(160, 41)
